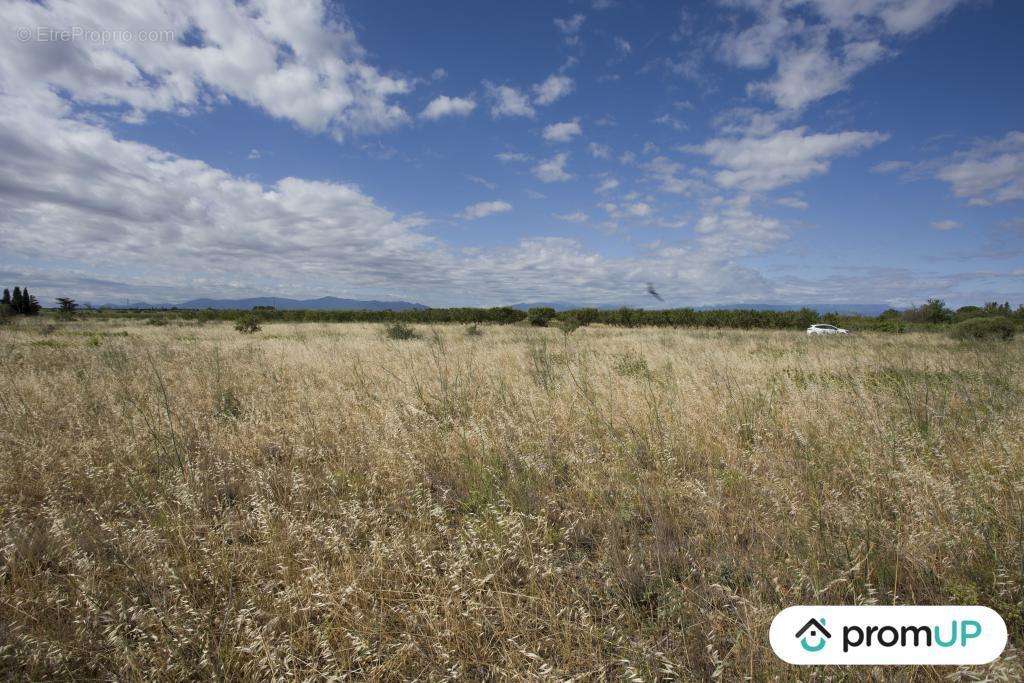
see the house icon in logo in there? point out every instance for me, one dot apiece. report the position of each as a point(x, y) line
point(814, 629)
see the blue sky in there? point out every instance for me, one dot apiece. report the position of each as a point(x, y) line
point(484, 153)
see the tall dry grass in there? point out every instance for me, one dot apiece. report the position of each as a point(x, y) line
point(185, 502)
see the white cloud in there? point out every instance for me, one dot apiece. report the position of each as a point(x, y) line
point(789, 156)
point(731, 229)
point(607, 185)
point(302, 64)
point(574, 217)
point(438, 74)
point(666, 172)
point(553, 170)
point(792, 202)
point(945, 224)
point(554, 87)
point(254, 154)
point(111, 202)
point(481, 181)
point(818, 46)
point(484, 209)
point(623, 45)
point(562, 132)
point(572, 25)
point(508, 157)
point(508, 101)
point(639, 209)
point(670, 121)
point(599, 151)
point(812, 73)
point(443, 106)
point(991, 172)
point(131, 217)
point(890, 166)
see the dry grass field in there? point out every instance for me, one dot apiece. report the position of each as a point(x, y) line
point(187, 502)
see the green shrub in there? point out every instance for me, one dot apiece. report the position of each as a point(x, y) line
point(570, 324)
point(474, 331)
point(157, 322)
point(996, 327)
point(540, 317)
point(248, 324)
point(400, 331)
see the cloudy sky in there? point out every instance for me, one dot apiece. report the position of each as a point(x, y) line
point(482, 153)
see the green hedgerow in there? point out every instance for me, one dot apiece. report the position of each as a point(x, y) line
point(996, 327)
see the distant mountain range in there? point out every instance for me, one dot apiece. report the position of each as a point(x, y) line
point(326, 303)
point(844, 309)
point(330, 303)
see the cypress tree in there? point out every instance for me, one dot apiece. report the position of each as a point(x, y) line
point(31, 303)
point(7, 297)
point(16, 300)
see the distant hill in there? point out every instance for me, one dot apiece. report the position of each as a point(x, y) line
point(330, 303)
point(844, 309)
point(327, 303)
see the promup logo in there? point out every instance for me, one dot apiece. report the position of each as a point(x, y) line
point(887, 635)
point(817, 630)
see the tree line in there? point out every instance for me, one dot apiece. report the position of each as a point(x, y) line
point(20, 302)
point(932, 315)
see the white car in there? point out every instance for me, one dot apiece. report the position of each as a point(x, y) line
point(826, 329)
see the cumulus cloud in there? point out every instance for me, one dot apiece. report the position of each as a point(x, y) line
point(132, 218)
point(730, 227)
point(508, 101)
point(571, 25)
point(562, 132)
point(481, 181)
point(666, 173)
point(553, 170)
point(945, 224)
point(299, 63)
point(606, 185)
point(623, 46)
point(818, 46)
point(508, 157)
point(484, 209)
point(574, 217)
point(670, 121)
point(792, 202)
point(112, 202)
point(789, 156)
point(554, 87)
point(443, 106)
point(599, 151)
point(990, 172)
